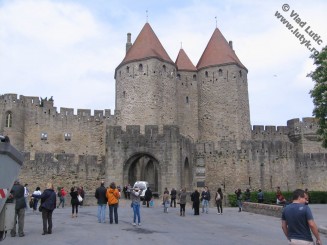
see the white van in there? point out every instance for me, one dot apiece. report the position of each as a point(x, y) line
point(143, 186)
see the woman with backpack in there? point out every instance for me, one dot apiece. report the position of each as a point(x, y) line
point(219, 201)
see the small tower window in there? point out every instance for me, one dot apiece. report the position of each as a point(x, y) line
point(68, 136)
point(187, 100)
point(164, 68)
point(194, 77)
point(44, 136)
point(240, 72)
point(179, 76)
point(206, 74)
point(9, 120)
point(127, 69)
point(220, 72)
point(124, 94)
point(140, 67)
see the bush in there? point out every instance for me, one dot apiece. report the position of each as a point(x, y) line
point(315, 197)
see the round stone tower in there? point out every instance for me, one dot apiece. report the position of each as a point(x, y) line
point(146, 83)
point(224, 112)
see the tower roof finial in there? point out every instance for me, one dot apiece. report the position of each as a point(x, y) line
point(181, 45)
point(216, 21)
point(147, 16)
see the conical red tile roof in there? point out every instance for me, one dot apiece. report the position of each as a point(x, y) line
point(183, 62)
point(218, 52)
point(146, 45)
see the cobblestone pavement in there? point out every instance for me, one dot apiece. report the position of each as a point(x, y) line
point(159, 228)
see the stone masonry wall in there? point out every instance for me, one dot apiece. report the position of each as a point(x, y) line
point(169, 150)
point(63, 170)
point(258, 164)
point(146, 96)
point(81, 134)
point(187, 104)
point(223, 104)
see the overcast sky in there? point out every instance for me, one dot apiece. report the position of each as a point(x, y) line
point(69, 49)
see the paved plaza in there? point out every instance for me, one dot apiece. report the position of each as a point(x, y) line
point(159, 228)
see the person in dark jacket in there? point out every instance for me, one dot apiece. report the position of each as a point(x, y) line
point(148, 196)
point(219, 201)
point(195, 198)
point(48, 204)
point(173, 195)
point(238, 193)
point(100, 195)
point(74, 201)
point(260, 196)
point(17, 193)
point(205, 198)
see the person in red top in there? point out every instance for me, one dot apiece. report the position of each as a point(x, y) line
point(280, 198)
point(61, 194)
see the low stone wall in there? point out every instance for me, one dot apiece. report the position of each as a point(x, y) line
point(265, 209)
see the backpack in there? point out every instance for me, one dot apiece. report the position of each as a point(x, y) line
point(59, 194)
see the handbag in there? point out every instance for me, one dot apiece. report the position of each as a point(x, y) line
point(80, 199)
point(40, 208)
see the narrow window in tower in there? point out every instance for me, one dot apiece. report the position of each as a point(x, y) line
point(124, 94)
point(194, 77)
point(140, 67)
point(187, 100)
point(68, 136)
point(164, 68)
point(240, 73)
point(127, 69)
point(220, 72)
point(179, 76)
point(9, 120)
point(44, 136)
point(207, 74)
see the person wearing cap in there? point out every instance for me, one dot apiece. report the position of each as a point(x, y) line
point(135, 196)
point(17, 192)
point(100, 195)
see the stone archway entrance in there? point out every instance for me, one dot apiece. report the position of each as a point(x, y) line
point(142, 167)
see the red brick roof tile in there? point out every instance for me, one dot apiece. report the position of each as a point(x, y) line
point(183, 62)
point(146, 45)
point(218, 52)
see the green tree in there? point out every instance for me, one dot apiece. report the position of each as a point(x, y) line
point(319, 93)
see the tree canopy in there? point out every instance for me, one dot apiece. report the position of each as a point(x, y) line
point(319, 93)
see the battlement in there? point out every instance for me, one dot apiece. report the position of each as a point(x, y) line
point(149, 130)
point(32, 103)
point(260, 132)
point(307, 127)
point(13, 99)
